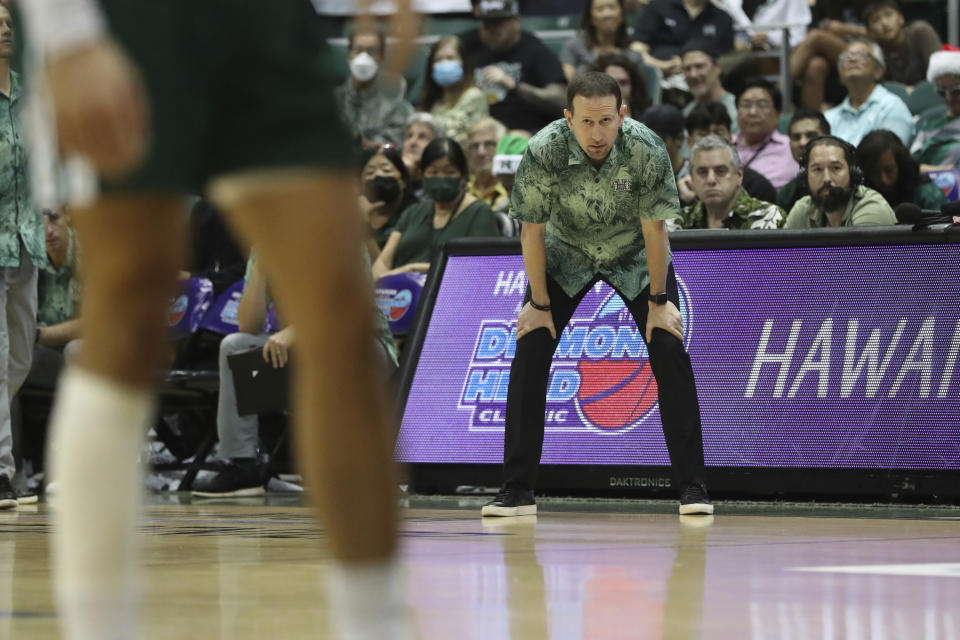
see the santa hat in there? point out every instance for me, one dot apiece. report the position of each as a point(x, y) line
point(944, 62)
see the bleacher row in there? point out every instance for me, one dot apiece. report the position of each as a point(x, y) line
point(555, 31)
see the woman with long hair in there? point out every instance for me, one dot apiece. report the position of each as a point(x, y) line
point(633, 85)
point(603, 29)
point(449, 90)
point(447, 212)
point(889, 168)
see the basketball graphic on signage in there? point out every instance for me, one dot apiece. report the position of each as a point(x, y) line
point(616, 394)
point(178, 308)
point(617, 388)
point(400, 304)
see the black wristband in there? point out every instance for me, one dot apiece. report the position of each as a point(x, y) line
point(539, 307)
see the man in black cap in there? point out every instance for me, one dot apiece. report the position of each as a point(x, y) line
point(521, 76)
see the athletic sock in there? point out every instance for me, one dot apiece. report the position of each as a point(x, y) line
point(366, 601)
point(97, 429)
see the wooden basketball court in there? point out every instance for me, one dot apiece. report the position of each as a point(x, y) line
point(580, 569)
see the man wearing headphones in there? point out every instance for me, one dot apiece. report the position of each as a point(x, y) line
point(837, 195)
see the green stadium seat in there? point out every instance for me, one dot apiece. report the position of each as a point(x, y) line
point(923, 97)
point(783, 124)
point(898, 88)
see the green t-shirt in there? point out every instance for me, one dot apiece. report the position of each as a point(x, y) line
point(420, 242)
point(593, 215)
point(866, 208)
point(929, 196)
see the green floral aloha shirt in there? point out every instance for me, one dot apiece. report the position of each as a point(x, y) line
point(747, 213)
point(593, 215)
point(58, 290)
point(19, 218)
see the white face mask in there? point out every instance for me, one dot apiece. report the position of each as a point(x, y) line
point(363, 67)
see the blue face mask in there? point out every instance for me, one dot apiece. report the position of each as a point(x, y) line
point(447, 72)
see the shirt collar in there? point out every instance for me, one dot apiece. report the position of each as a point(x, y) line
point(873, 97)
point(15, 88)
point(774, 138)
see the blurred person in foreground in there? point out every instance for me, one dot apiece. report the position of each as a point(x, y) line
point(273, 158)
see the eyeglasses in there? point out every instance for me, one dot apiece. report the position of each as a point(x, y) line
point(759, 105)
point(949, 93)
point(856, 54)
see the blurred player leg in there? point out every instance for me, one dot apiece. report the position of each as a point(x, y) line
point(307, 233)
point(132, 251)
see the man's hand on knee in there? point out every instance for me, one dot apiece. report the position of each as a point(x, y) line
point(666, 317)
point(531, 319)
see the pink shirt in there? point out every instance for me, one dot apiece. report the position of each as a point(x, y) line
point(774, 160)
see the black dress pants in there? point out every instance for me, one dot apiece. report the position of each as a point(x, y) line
point(529, 376)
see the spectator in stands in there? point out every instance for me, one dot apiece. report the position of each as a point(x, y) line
point(837, 196)
point(482, 146)
point(449, 90)
point(629, 75)
point(58, 308)
point(371, 104)
point(58, 302)
point(668, 25)
point(603, 30)
point(22, 252)
point(422, 129)
point(889, 169)
point(870, 105)
point(242, 474)
point(666, 121)
point(805, 125)
point(816, 57)
point(521, 76)
point(712, 119)
point(448, 212)
point(386, 192)
point(905, 48)
point(702, 71)
point(58, 286)
point(753, 19)
point(761, 146)
point(937, 145)
point(722, 202)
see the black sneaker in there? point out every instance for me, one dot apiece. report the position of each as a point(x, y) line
point(25, 496)
point(694, 500)
point(236, 479)
point(511, 501)
point(8, 495)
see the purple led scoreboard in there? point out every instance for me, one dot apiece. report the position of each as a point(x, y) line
point(814, 365)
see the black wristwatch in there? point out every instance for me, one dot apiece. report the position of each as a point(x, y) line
point(658, 298)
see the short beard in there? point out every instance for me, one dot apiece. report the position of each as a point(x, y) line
point(836, 198)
